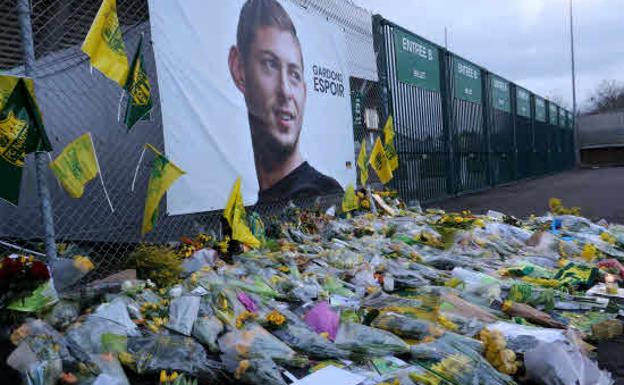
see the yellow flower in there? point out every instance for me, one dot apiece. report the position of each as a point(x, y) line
point(275, 318)
point(152, 327)
point(453, 282)
point(325, 335)
point(126, 358)
point(167, 379)
point(479, 223)
point(241, 369)
point(83, 263)
point(224, 245)
point(608, 238)
point(459, 220)
point(554, 204)
point(589, 252)
point(447, 323)
point(453, 366)
point(507, 305)
point(243, 317)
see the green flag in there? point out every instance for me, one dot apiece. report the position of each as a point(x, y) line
point(21, 132)
point(139, 90)
point(164, 173)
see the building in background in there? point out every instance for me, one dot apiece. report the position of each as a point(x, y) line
point(601, 138)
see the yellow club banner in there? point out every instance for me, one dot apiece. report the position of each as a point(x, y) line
point(389, 147)
point(379, 162)
point(76, 165)
point(234, 214)
point(350, 200)
point(8, 83)
point(105, 46)
point(163, 175)
point(362, 163)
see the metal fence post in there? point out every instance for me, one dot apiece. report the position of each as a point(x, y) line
point(514, 117)
point(41, 159)
point(487, 128)
point(447, 122)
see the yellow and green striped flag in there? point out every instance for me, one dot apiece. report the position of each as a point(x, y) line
point(21, 132)
point(350, 200)
point(234, 214)
point(362, 165)
point(105, 46)
point(389, 147)
point(163, 175)
point(379, 162)
point(76, 165)
point(139, 90)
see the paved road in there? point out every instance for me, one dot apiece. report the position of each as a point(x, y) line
point(599, 193)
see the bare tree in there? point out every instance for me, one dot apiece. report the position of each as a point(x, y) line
point(609, 96)
point(555, 97)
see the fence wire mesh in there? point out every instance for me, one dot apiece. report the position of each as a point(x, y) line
point(446, 146)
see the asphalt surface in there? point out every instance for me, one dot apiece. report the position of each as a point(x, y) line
point(598, 192)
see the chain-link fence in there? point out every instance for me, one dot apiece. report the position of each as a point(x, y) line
point(75, 99)
point(446, 145)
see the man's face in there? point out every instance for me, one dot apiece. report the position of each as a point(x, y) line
point(275, 90)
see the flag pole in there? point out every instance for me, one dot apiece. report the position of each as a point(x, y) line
point(123, 92)
point(19, 248)
point(45, 202)
point(58, 182)
point(136, 171)
point(97, 163)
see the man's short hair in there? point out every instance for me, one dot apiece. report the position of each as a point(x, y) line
point(256, 14)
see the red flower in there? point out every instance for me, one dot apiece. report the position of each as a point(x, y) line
point(39, 271)
point(12, 265)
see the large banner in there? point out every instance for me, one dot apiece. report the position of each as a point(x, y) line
point(257, 89)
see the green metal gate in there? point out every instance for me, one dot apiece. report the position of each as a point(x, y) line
point(501, 131)
point(468, 130)
point(458, 127)
point(524, 131)
point(414, 98)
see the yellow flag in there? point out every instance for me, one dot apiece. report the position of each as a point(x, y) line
point(350, 200)
point(7, 85)
point(162, 176)
point(379, 162)
point(105, 45)
point(362, 164)
point(234, 213)
point(391, 153)
point(76, 165)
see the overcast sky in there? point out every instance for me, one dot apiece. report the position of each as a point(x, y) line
point(525, 41)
